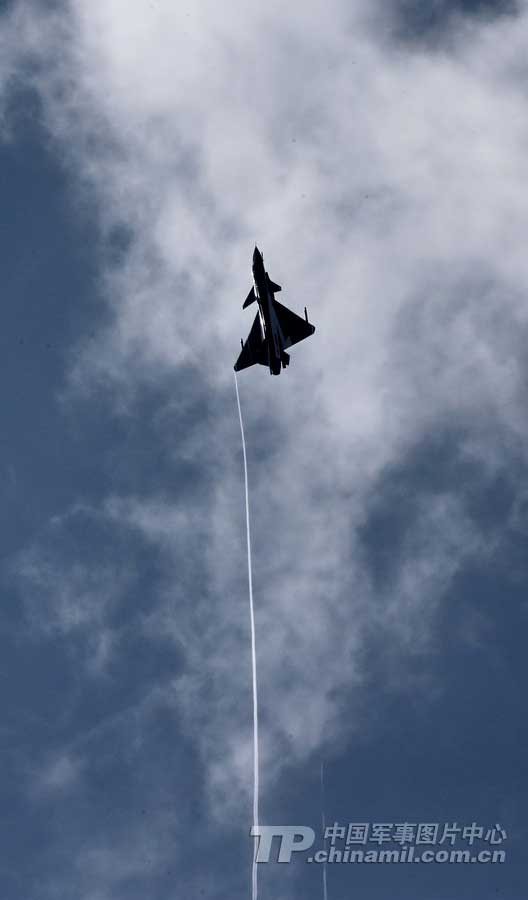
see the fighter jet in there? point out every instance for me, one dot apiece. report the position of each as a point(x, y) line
point(275, 328)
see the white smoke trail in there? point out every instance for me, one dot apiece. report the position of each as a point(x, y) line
point(323, 824)
point(254, 891)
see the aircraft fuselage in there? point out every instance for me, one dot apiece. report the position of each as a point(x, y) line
point(271, 332)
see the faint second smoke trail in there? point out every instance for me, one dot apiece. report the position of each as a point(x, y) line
point(254, 884)
point(323, 825)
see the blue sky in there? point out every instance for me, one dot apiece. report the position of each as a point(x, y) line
point(378, 156)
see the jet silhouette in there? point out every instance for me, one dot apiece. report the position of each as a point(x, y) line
point(275, 328)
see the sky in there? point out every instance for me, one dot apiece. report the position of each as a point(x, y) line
point(376, 150)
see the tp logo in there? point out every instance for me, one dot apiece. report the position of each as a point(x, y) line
point(288, 842)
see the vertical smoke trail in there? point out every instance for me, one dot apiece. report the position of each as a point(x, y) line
point(254, 892)
point(323, 824)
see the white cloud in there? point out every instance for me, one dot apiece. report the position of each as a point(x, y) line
point(59, 773)
point(63, 598)
point(386, 187)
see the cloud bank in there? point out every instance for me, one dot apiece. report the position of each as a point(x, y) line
point(384, 182)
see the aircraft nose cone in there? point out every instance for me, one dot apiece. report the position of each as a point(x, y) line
point(256, 254)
